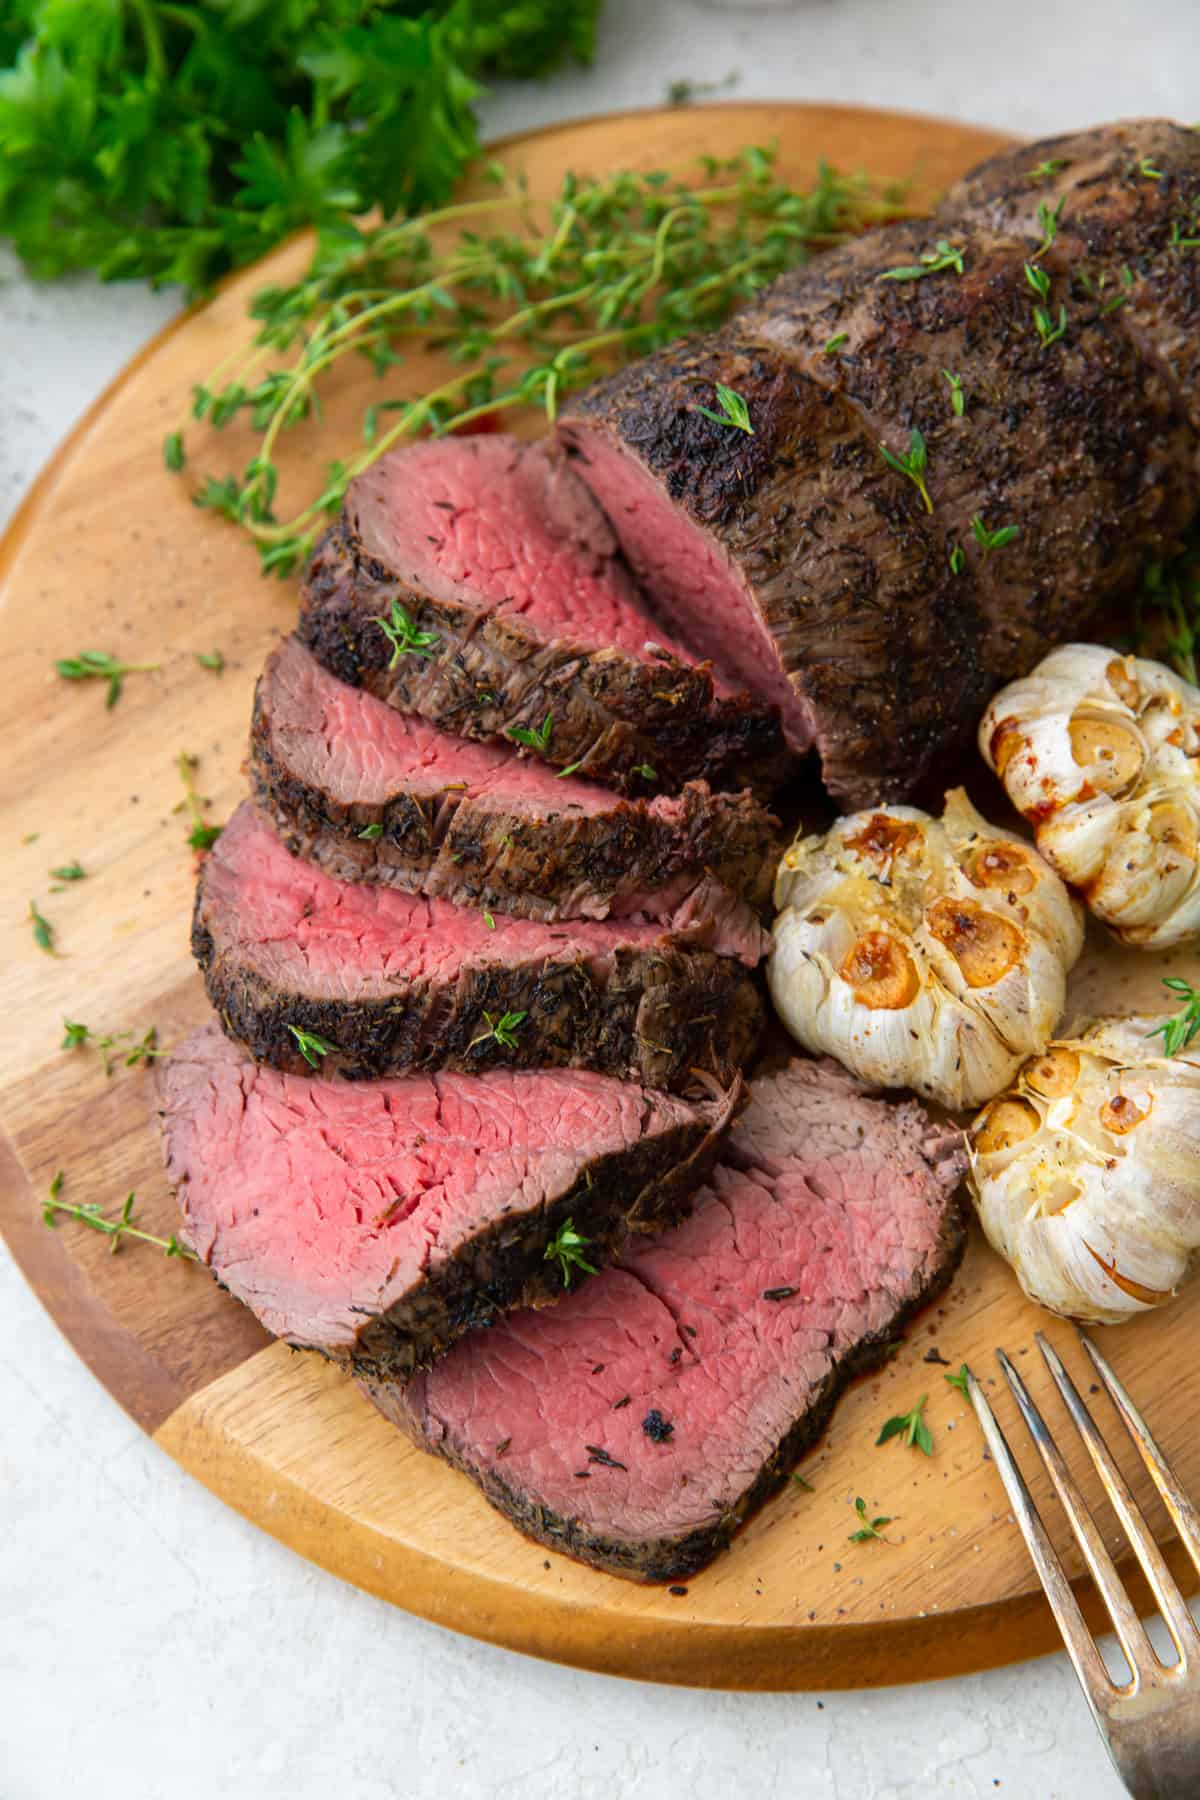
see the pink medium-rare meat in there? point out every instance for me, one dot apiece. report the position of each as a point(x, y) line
point(516, 608)
point(794, 556)
point(377, 1221)
point(390, 981)
point(376, 795)
point(639, 1422)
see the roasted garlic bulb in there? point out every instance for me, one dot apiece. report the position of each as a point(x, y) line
point(920, 952)
point(1101, 753)
point(1087, 1174)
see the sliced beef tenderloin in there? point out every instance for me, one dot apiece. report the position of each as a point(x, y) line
point(378, 1221)
point(376, 795)
point(792, 556)
point(390, 981)
point(637, 1424)
point(517, 613)
point(1071, 447)
point(1120, 206)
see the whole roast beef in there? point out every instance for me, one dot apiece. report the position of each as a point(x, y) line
point(638, 1423)
point(376, 795)
point(968, 435)
point(373, 981)
point(474, 581)
point(378, 1221)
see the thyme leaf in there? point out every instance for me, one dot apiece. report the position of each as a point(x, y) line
point(402, 634)
point(959, 1380)
point(533, 738)
point(312, 1047)
point(992, 540)
point(911, 1427)
point(958, 401)
point(944, 256)
point(212, 660)
point(1178, 1031)
point(43, 930)
point(1046, 171)
point(72, 871)
point(503, 1030)
point(868, 1528)
point(913, 462)
point(734, 410)
point(371, 832)
point(566, 1248)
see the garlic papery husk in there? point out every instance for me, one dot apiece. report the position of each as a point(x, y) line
point(924, 953)
point(1087, 1173)
point(1101, 753)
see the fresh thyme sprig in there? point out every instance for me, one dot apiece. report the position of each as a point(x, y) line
point(911, 1427)
point(97, 665)
point(311, 1047)
point(528, 305)
point(78, 1036)
point(534, 737)
point(1049, 219)
point(913, 462)
point(944, 256)
point(402, 634)
point(1048, 329)
point(503, 1030)
point(992, 540)
point(566, 1248)
point(958, 402)
point(1178, 1031)
point(118, 1229)
point(734, 410)
point(202, 836)
point(868, 1528)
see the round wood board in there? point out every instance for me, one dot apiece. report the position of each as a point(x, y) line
point(108, 553)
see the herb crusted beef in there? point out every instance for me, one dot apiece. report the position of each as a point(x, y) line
point(1034, 364)
point(509, 609)
point(640, 1421)
point(376, 795)
point(378, 1221)
point(389, 981)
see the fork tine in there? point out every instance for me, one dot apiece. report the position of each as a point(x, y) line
point(1129, 1628)
point(1094, 1678)
point(1184, 1515)
point(1170, 1601)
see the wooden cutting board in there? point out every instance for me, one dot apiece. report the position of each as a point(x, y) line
point(108, 554)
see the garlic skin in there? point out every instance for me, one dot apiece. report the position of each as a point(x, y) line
point(920, 952)
point(1087, 1174)
point(1101, 753)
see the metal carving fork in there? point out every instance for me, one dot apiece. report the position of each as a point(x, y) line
point(1151, 1723)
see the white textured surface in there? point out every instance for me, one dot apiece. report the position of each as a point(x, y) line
point(155, 1647)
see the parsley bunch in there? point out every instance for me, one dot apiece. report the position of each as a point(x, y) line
point(176, 141)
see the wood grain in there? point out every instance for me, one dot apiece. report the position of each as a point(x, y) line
point(108, 554)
